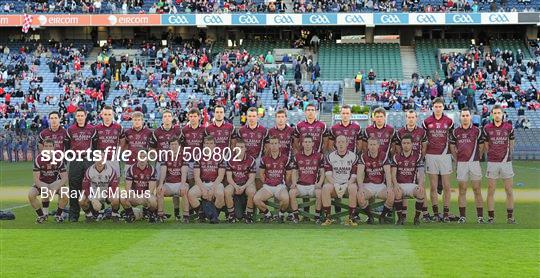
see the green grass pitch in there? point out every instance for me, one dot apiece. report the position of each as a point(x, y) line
point(278, 250)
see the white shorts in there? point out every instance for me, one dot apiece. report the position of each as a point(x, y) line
point(208, 185)
point(275, 190)
point(469, 170)
point(54, 186)
point(439, 164)
point(174, 187)
point(115, 165)
point(341, 190)
point(374, 188)
point(499, 170)
point(408, 189)
point(305, 190)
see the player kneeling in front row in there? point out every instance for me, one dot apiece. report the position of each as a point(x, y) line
point(307, 177)
point(208, 173)
point(100, 186)
point(376, 180)
point(141, 188)
point(173, 182)
point(274, 167)
point(49, 179)
point(406, 182)
point(241, 182)
point(340, 167)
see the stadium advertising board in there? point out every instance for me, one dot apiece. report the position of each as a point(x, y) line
point(368, 19)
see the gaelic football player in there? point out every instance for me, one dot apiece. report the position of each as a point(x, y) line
point(161, 137)
point(347, 128)
point(313, 127)
point(191, 138)
point(307, 177)
point(253, 134)
point(141, 188)
point(49, 179)
point(56, 133)
point(241, 181)
point(375, 180)
point(381, 131)
point(173, 182)
point(405, 165)
point(438, 127)
point(208, 173)
point(80, 137)
point(274, 168)
point(340, 172)
point(135, 138)
point(283, 131)
point(466, 145)
point(108, 134)
point(221, 130)
point(100, 185)
point(419, 145)
point(499, 142)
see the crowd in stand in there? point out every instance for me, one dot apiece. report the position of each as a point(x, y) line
point(277, 6)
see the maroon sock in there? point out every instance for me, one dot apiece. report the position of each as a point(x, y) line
point(327, 211)
point(59, 211)
point(351, 212)
point(39, 212)
point(385, 211)
point(367, 211)
point(128, 211)
point(399, 208)
point(491, 213)
point(480, 212)
point(462, 211)
point(45, 204)
point(510, 213)
point(435, 209)
point(404, 211)
point(295, 214)
point(446, 211)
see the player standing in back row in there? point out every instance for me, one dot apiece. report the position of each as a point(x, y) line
point(499, 142)
point(108, 134)
point(311, 126)
point(253, 134)
point(347, 128)
point(438, 159)
point(380, 131)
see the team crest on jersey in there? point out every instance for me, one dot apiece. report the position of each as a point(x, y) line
point(430, 125)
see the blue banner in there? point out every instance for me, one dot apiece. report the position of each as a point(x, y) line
point(178, 19)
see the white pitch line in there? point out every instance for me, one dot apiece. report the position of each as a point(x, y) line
point(17, 207)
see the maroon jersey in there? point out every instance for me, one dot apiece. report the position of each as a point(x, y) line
point(241, 169)
point(48, 172)
point(161, 137)
point(108, 136)
point(275, 169)
point(222, 134)
point(385, 135)
point(192, 138)
point(174, 169)
point(81, 138)
point(407, 166)
point(209, 169)
point(374, 167)
point(351, 131)
point(438, 132)
point(467, 141)
point(498, 139)
point(137, 140)
point(253, 138)
point(59, 137)
point(317, 130)
point(308, 167)
point(140, 178)
point(419, 137)
point(284, 136)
